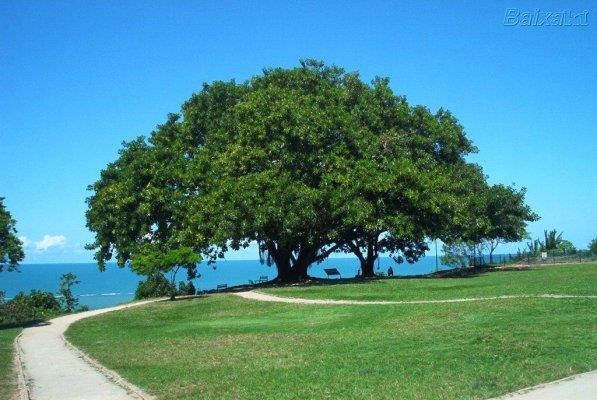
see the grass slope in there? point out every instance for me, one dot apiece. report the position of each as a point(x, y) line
point(8, 384)
point(576, 279)
point(225, 347)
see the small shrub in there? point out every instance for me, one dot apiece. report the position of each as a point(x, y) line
point(45, 304)
point(191, 290)
point(14, 312)
point(186, 289)
point(156, 285)
point(37, 305)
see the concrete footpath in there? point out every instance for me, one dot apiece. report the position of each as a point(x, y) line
point(52, 369)
point(577, 387)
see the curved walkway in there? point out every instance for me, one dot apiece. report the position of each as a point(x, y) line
point(53, 369)
point(254, 295)
point(576, 387)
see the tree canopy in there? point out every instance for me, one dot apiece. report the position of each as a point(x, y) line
point(11, 250)
point(265, 176)
point(137, 206)
point(305, 162)
point(593, 246)
point(401, 185)
point(496, 214)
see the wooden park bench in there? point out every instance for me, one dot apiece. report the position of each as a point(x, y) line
point(222, 287)
point(263, 279)
point(332, 272)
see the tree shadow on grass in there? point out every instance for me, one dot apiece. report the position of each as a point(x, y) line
point(470, 272)
point(456, 273)
point(189, 297)
point(27, 324)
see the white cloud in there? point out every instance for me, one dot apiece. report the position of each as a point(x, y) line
point(25, 241)
point(50, 241)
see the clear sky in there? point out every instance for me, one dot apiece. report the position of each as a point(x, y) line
point(77, 78)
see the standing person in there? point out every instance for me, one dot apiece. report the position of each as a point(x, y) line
point(390, 271)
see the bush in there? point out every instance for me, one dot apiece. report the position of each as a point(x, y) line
point(156, 285)
point(186, 289)
point(35, 306)
point(44, 301)
point(39, 305)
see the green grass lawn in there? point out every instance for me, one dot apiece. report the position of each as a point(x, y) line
point(225, 347)
point(8, 380)
point(576, 279)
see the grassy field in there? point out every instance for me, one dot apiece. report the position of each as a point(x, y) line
point(575, 279)
point(225, 347)
point(7, 376)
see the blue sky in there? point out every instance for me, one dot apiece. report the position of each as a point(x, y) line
point(78, 78)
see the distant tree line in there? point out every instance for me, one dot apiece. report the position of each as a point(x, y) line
point(304, 162)
point(552, 244)
point(463, 253)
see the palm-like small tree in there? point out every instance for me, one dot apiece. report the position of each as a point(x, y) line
point(552, 239)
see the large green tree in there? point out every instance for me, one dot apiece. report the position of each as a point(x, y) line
point(11, 250)
point(303, 161)
point(403, 183)
point(507, 216)
point(262, 177)
point(493, 215)
point(313, 160)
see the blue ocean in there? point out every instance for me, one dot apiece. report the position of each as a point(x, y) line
point(117, 285)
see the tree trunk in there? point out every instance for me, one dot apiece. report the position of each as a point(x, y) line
point(367, 260)
point(368, 267)
point(290, 270)
point(294, 273)
point(285, 273)
point(173, 283)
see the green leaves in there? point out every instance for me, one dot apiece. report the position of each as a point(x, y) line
point(138, 203)
point(148, 260)
point(68, 300)
point(304, 161)
point(265, 177)
point(11, 251)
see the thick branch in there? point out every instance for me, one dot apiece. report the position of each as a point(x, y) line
point(326, 253)
point(356, 250)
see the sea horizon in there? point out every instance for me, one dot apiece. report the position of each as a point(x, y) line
point(117, 285)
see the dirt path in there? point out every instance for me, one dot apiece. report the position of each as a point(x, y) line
point(254, 295)
point(55, 370)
